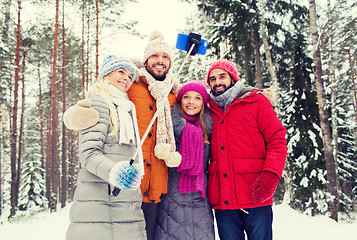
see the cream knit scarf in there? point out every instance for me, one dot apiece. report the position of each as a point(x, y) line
point(124, 107)
point(128, 126)
point(165, 140)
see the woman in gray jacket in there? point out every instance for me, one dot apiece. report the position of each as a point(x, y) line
point(105, 150)
point(185, 212)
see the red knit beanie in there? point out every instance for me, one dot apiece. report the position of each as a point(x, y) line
point(226, 66)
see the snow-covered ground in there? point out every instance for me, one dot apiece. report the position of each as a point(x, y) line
point(288, 225)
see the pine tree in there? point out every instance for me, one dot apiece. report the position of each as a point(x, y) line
point(304, 158)
point(32, 182)
point(339, 43)
point(231, 27)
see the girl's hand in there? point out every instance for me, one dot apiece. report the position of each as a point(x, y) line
point(125, 176)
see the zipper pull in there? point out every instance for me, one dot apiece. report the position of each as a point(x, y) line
point(245, 211)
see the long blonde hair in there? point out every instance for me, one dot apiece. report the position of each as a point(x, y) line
point(100, 88)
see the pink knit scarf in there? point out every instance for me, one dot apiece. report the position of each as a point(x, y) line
point(191, 149)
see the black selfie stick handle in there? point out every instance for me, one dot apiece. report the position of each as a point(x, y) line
point(193, 38)
point(116, 191)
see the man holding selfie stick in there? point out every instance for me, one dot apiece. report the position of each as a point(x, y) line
point(149, 93)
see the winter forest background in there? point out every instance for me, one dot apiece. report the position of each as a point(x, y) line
point(304, 50)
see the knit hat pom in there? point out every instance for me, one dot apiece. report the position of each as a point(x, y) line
point(174, 159)
point(157, 44)
point(156, 34)
point(163, 151)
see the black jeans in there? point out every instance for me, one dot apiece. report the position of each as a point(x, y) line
point(150, 213)
point(255, 222)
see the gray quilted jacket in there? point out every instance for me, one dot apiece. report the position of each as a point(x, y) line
point(185, 216)
point(96, 214)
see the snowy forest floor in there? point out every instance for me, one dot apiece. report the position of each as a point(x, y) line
point(288, 224)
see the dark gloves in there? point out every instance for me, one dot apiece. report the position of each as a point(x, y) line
point(264, 187)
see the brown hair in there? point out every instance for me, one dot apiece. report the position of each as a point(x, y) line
point(201, 121)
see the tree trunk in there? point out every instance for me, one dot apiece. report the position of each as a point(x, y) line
point(54, 128)
point(1, 128)
point(3, 69)
point(64, 150)
point(312, 205)
point(88, 47)
point(48, 162)
point(13, 130)
point(72, 164)
point(354, 90)
point(323, 112)
point(257, 58)
point(97, 40)
point(42, 151)
point(247, 69)
point(19, 156)
point(271, 68)
point(82, 50)
point(331, 76)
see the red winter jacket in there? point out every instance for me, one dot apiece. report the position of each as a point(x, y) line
point(247, 139)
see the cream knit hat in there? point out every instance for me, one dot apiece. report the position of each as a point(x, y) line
point(157, 44)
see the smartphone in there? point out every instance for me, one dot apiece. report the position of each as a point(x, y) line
point(184, 42)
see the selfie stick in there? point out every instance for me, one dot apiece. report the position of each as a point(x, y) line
point(195, 42)
point(158, 110)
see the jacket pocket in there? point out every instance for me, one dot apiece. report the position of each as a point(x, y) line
point(246, 171)
point(213, 183)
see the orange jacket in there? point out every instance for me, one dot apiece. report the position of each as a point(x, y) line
point(154, 182)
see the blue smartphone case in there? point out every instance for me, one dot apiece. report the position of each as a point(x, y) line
point(181, 44)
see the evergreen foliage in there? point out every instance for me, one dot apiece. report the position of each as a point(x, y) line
point(232, 29)
point(304, 141)
point(342, 50)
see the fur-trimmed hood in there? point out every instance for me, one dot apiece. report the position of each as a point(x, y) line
point(178, 122)
point(269, 93)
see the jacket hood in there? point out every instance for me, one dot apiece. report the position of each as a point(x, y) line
point(269, 93)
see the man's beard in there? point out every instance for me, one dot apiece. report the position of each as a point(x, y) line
point(222, 91)
point(157, 77)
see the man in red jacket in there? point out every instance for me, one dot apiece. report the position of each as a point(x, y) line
point(248, 152)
